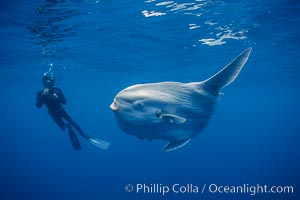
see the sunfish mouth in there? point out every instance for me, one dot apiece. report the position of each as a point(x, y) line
point(114, 106)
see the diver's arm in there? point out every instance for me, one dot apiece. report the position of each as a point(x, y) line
point(39, 99)
point(60, 96)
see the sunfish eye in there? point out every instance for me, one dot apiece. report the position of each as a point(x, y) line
point(158, 113)
point(138, 104)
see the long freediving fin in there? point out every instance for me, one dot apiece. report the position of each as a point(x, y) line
point(176, 144)
point(98, 143)
point(74, 140)
point(94, 141)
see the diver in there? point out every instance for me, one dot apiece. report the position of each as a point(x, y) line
point(54, 100)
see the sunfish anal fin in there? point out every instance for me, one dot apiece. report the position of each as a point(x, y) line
point(173, 118)
point(176, 144)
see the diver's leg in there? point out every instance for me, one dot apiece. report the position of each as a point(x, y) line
point(73, 138)
point(67, 117)
point(58, 120)
point(57, 117)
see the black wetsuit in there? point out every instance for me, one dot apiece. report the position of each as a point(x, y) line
point(55, 105)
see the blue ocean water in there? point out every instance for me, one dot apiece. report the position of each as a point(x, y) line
point(97, 48)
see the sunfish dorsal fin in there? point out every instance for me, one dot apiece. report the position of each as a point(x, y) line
point(227, 75)
point(173, 118)
point(176, 144)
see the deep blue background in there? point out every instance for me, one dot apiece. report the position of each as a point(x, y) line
point(100, 47)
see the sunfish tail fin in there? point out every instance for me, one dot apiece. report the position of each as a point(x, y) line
point(227, 75)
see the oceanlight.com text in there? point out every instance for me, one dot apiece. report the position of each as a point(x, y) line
point(250, 189)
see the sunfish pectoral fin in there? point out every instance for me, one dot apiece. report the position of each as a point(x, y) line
point(227, 75)
point(173, 118)
point(176, 144)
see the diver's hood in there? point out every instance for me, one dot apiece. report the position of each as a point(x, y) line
point(48, 80)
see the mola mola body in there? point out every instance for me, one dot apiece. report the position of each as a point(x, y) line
point(173, 111)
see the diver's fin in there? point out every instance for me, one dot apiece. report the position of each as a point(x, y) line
point(73, 138)
point(176, 144)
point(98, 143)
point(227, 75)
point(173, 118)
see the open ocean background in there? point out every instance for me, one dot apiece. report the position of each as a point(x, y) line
point(97, 48)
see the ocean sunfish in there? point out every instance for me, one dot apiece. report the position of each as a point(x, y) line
point(173, 111)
